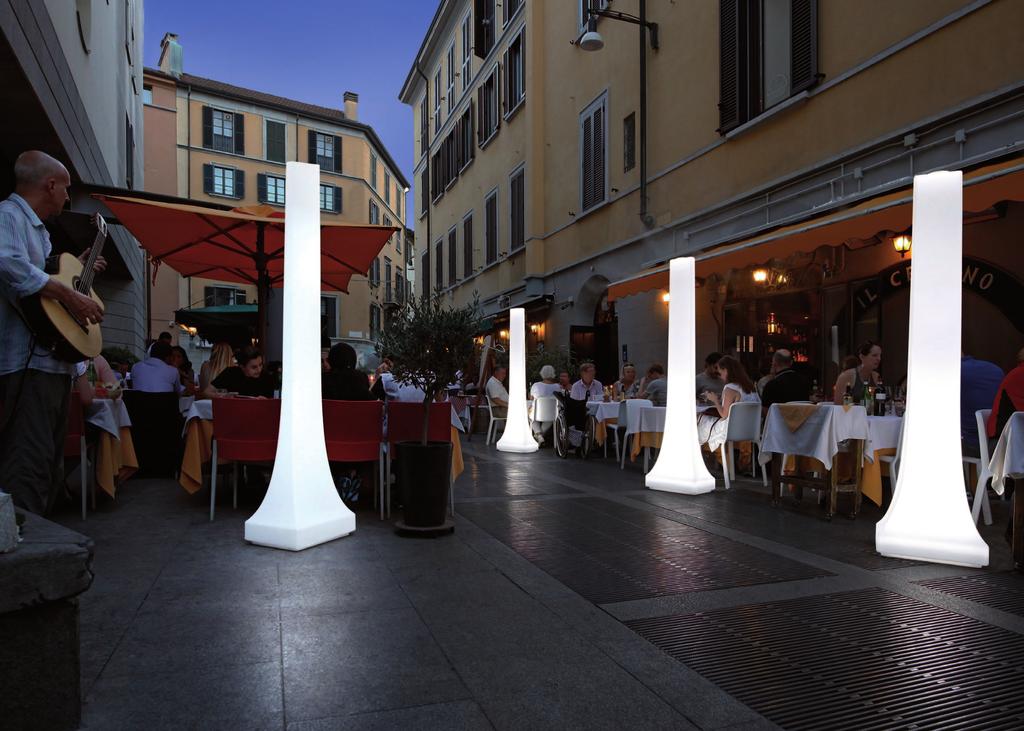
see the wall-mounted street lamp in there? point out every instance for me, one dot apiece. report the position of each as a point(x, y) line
point(592, 40)
point(902, 244)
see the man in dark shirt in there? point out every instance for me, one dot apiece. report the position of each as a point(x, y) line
point(979, 383)
point(786, 384)
point(343, 382)
point(245, 379)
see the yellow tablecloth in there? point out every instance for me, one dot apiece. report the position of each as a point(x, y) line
point(457, 464)
point(645, 439)
point(870, 473)
point(115, 459)
point(199, 451)
point(601, 432)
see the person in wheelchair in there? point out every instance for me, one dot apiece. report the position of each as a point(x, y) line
point(574, 427)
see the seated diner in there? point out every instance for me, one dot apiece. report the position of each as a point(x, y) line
point(245, 379)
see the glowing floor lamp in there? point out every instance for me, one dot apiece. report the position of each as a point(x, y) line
point(930, 519)
point(302, 507)
point(680, 466)
point(517, 436)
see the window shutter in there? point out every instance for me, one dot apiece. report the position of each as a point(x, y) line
point(587, 173)
point(804, 40)
point(239, 133)
point(522, 64)
point(337, 154)
point(261, 187)
point(729, 65)
point(480, 114)
point(499, 97)
point(337, 199)
point(504, 82)
point(208, 127)
point(598, 180)
point(207, 178)
point(479, 30)
point(467, 248)
point(239, 184)
point(312, 147)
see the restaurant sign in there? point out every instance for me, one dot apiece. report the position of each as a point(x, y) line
point(996, 285)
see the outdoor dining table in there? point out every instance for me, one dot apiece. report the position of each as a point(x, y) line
point(650, 428)
point(605, 413)
point(199, 445)
point(115, 451)
point(1008, 456)
point(805, 430)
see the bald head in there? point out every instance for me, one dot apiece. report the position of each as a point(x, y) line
point(33, 168)
point(781, 360)
point(42, 181)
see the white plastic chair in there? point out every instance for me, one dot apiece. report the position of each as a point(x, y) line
point(893, 460)
point(744, 426)
point(545, 411)
point(984, 473)
point(492, 426)
point(629, 413)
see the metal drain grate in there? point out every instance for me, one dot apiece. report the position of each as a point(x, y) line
point(866, 659)
point(609, 552)
point(999, 591)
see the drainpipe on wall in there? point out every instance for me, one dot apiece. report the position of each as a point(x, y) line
point(426, 100)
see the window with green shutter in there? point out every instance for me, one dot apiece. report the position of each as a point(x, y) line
point(275, 132)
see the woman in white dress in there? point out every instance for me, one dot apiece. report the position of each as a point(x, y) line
point(714, 423)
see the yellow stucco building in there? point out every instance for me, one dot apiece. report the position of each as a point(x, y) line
point(211, 141)
point(781, 138)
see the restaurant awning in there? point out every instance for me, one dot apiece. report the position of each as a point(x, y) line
point(234, 323)
point(983, 188)
point(244, 245)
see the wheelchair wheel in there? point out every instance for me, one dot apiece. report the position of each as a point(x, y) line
point(560, 435)
point(589, 431)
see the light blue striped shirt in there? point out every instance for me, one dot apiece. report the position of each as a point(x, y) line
point(24, 247)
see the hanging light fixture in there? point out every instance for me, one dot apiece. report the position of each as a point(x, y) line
point(666, 297)
point(902, 244)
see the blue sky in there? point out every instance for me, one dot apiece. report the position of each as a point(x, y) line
point(310, 50)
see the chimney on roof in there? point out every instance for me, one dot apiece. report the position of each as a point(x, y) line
point(351, 105)
point(171, 55)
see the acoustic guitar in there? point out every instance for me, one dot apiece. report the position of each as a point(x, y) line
point(55, 328)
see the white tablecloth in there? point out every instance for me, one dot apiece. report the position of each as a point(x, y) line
point(109, 415)
point(603, 410)
point(883, 433)
point(185, 403)
point(632, 409)
point(817, 437)
point(652, 419)
point(1008, 456)
point(202, 409)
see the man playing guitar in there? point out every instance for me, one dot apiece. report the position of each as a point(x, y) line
point(35, 387)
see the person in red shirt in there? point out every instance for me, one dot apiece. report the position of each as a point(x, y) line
point(1009, 398)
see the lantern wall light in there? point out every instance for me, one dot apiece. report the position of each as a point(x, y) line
point(902, 244)
point(760, 275)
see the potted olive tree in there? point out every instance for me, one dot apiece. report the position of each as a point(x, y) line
point(429, 344)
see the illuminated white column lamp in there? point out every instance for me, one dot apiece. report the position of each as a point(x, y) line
point(929, 518)
point(680, 466)
point(517, 437)
point(302, 507)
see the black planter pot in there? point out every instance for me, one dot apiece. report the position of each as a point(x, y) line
point(424, 472)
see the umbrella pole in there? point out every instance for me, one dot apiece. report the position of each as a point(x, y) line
point(262, 289)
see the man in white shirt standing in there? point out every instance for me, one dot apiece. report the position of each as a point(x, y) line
point(587, 388)
point(496, 391)
point(155, 374)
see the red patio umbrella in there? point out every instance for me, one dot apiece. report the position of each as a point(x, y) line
point(244, 245)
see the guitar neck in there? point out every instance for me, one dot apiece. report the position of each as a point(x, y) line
point(89, 268)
